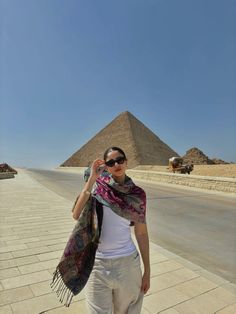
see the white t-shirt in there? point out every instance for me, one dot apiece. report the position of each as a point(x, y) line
point(115, 240)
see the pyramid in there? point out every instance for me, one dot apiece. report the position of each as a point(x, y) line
point(197, 157)
point(140, 144)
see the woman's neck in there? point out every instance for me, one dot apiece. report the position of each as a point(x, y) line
point(120, 179)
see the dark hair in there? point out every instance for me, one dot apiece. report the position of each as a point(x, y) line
point(111, 149)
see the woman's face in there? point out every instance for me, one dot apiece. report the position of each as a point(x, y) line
point(119, 164)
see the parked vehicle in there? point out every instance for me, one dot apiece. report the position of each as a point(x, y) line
point(176, 165)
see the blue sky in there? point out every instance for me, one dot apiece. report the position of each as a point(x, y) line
point(67, 68)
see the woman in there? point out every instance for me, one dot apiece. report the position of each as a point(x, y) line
point(116, 283)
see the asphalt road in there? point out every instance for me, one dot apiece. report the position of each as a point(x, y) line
point(199, 226)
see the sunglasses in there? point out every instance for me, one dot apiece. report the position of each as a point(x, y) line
point(120, 160)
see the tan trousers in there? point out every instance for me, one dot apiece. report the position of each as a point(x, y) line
point(114, 286)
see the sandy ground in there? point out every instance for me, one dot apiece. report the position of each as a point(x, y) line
point(202, 170)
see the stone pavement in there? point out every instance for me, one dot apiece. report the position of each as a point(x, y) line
point(35, 224)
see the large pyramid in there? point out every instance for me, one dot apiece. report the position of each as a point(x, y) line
point(141, 145)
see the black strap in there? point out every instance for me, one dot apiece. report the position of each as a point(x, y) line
point(99, 210)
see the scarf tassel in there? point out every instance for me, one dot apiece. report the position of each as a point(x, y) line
point(62, 291)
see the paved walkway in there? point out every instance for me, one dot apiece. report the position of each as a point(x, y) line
point(35, 224)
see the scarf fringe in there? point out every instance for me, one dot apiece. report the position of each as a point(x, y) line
point(62, 291)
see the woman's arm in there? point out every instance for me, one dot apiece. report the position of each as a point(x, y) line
point(83, 198)
point(141, 234)
point(85, 193)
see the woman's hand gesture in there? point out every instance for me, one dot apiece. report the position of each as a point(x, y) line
point(97, 168)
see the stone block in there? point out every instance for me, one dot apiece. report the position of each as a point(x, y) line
point(170, 311)
point(9, 272)
point(24, 280)
point(36, 305)
point(195, 286)
point(74, 308)
point(209, 302)
point(5, 309)
point(22, 241)
point(15, 295)
point(231, 309)
point(18, 261)
point(50, 255)
point(56, 247)
point(41, 288)
point(31, 251)
point(47, 242)
point(157, 258)
point(11, 248)
point(26, 269)
point(163, 300)
point(170, 279)
point(164, 267)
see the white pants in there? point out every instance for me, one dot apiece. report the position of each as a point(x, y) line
point(114, 286)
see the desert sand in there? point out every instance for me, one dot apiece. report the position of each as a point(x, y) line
point(228, 170)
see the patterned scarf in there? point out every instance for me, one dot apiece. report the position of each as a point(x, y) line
point(126, 200)
point(72, 272)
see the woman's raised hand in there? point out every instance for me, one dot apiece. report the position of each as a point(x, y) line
point(97, 168)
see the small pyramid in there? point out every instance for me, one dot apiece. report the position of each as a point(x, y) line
point(140, 144)
point(197, 157)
